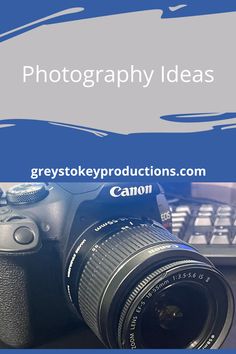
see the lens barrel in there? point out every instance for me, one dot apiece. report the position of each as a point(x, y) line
point(136, 285)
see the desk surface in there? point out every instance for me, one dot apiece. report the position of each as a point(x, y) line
point(84, 338)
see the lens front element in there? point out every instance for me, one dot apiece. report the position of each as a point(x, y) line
point(176, 317)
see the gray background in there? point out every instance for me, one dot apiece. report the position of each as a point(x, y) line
point(142, 39)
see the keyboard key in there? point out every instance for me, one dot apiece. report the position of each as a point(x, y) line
point(198, 239)
point(178, 225)
point(224, 214)
point(219, 239)
point(183, 208)
point(205, 221)
point(204, 214)
point(222, 222)
point(179, 215)
point(206, 208)
point(182, 220)
point(224, 209)
point(221, 231)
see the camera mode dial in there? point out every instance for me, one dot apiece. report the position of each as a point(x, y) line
point(26, 193)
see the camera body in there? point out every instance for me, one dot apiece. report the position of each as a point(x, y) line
point(39, 224)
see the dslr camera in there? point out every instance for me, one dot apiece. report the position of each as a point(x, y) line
point(103, 253)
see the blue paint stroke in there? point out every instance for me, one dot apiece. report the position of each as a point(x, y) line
point(199, 117)
point(19, 16)
point(33, 143)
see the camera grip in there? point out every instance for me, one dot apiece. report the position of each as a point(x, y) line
point(15, 329)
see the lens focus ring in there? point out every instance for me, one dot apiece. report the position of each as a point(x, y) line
point(106, 257)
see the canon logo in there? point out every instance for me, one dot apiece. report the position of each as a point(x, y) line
point(130, 191)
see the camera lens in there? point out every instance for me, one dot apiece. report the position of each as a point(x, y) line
point(138, 286)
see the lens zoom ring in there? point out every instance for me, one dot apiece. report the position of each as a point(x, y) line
point(106, 257)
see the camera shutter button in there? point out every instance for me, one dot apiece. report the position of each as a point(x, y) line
point(24, 235)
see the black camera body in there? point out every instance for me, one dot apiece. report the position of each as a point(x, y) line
point(38, 229)
point(71, 251)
